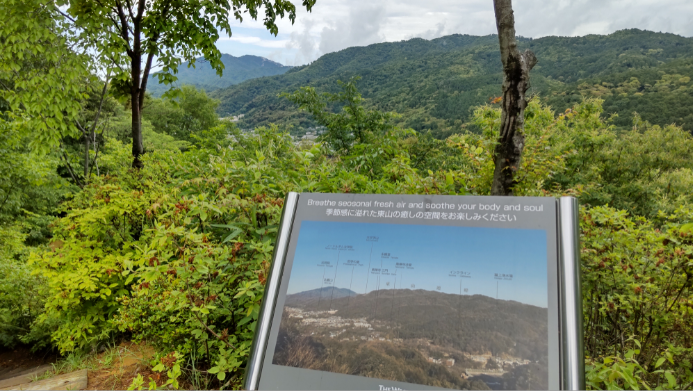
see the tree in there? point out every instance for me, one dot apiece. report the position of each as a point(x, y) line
point(42, 79)
point(191, 112)
point(354, 124)
point(129, 31)
point(516, 68)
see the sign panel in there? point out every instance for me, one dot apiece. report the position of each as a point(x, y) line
point(412, 292)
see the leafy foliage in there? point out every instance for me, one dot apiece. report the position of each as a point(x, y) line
point(660, 94)
point(190, 112)
point(353, 124)
point(21, 298)
point(41, 78)
point(637, 300)
point(644, 170)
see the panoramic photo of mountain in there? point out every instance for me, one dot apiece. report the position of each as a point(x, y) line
point(430, 305)
point(417, 336)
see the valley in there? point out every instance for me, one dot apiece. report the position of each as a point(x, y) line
point(424, 337)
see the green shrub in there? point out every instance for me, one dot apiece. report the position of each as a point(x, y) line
point(637, 299)
point(21, 297)
point(93, 246)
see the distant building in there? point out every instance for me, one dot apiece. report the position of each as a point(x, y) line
point(450, 362)
point(309, 136)
point(233, 118)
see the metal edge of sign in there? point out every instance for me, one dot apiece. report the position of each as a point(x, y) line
point(254, 366)
point(572, 353)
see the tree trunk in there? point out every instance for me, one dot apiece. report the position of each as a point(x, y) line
point(137, 145)
point(137, 93)
point(516, 68)
point(86, 157)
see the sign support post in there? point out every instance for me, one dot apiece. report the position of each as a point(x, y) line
point(254, 366)
point(573, 360)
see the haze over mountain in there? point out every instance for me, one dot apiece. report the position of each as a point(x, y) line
point(436, 83)
point(315, 296)
point(237, 70)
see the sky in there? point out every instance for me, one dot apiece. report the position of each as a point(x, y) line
point(334, 25)
point(439, 257)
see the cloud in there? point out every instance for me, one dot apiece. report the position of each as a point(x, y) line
point(305, 44)
point(360, 28)
point(337, 24)
point(430, 34)
point(357, 23)
point(252, 40)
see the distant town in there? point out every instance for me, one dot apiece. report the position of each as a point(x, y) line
point(328, 324)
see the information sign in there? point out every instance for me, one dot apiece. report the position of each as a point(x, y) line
point(396, 292)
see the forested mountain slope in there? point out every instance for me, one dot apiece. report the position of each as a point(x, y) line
point(236, 70)
point(435, 84)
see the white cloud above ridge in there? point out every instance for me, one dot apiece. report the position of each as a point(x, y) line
point(334, 25)
point(253, 40)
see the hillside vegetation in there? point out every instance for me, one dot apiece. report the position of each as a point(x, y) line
point(436, 84)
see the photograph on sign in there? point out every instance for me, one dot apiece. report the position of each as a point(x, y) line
point(438, 306)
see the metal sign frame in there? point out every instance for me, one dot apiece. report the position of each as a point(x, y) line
point(572, 376)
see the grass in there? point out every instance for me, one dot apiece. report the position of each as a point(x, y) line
point(76, 361)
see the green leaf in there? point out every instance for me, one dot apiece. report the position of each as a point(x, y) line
point(660, 362)
point(245, 320)
point(687, 227)
point(232, 235)
point(670, 379)
point(448, 178)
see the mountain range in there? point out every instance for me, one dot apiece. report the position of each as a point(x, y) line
point(313, 297)
point(435, 84)
point(236, 70)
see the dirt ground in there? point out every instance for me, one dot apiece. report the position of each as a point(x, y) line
point(113, 369)
point(121, 366)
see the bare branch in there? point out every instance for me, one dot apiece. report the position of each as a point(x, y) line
point(150, 57)
point(103, 95)
point(63, 155)
point(65, 15)
point(84, 131)
point(124, 28)
point(129, 3)
point(197, 315)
